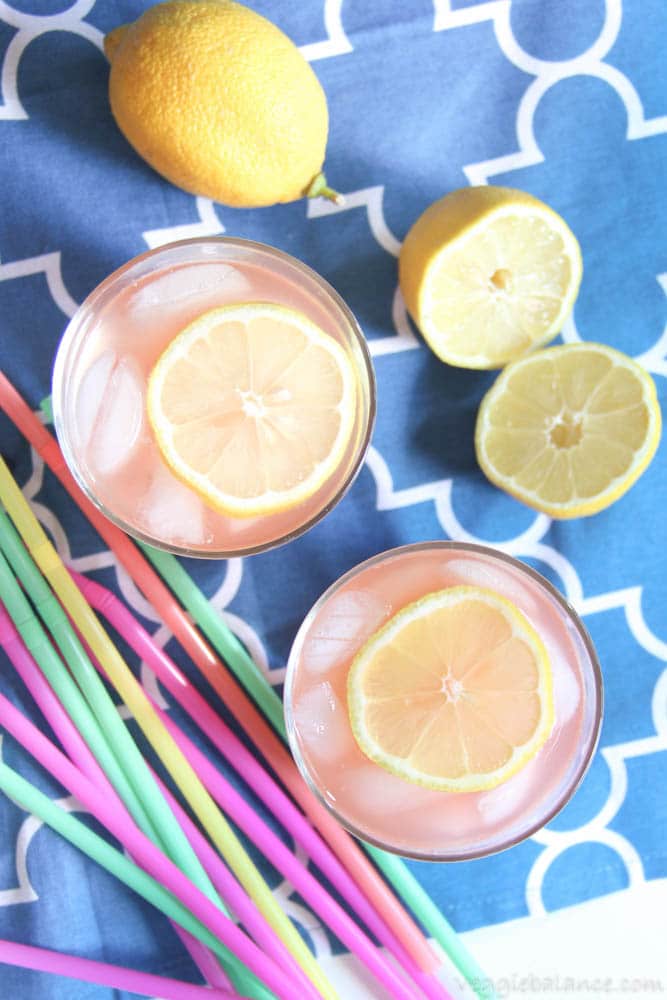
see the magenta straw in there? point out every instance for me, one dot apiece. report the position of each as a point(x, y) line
point(151, 859)
point(102, 974)
point(79, 752)
point(237, 809)
point(231, 748)
point(289, 866)
point(28, 670)
point(77, 748)
point(219, 876)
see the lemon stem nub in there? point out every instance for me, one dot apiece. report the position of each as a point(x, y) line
point(113, 40)
point(318, 188)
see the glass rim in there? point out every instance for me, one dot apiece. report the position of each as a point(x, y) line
point(60, 371)
point(597, 695)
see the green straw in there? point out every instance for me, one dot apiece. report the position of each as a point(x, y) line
point(170, 837)
point(177, 847)
point(256, 684)
point(60, 680)
point(32, 800)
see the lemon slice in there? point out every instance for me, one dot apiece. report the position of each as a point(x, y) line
point(488, 273)
point(252, 406)
point(569, 429)
point(454, 692)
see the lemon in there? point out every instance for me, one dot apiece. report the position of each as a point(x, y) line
point(455, 692)
point(220, 102)
point(252, 406)
point(488, 273)
point(569, 429)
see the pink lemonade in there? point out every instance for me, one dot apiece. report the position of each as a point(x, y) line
point(389, 811)
point(106, 357)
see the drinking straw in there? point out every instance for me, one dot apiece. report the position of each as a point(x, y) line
point(297, 874)
point(242, 814)
point(134, 697)
point(202, 655)
point(153, 815)
point(73, 742)
point(37, 642)
point(36, 639)
point(28, 670)
point(392, 867)
point(258, 929)
point(151, 859)
point(32, 800)
point(258, 687)
point(289, 866)
point(208, 663)
point(106, 603)
point(102, 974)
point(83, 758)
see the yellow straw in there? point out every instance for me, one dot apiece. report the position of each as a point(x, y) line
point(133, 696)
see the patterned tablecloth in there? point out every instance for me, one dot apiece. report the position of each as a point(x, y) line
point(564, 98)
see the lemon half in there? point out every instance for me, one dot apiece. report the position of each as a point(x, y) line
point(488, 273)
point(569, 429)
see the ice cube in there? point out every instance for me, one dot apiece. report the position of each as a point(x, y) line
point(567, 692)
point(110, 411)
point(322, 722)
point(341, 628)
point(375, 792)
point(476, 573)
point(183, 284)
point(513, 795)
point(171, 511)
point(449, 821)
point(92, 389)
point(559, 645)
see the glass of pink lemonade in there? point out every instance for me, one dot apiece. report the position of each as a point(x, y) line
point(103, 369)
point(383, 807)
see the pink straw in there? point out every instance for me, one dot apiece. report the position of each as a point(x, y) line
point(250, 718)
point(219, 875)
point(289, 866)
point(77, 748)
point(79, 752)
point(43, 960)
point(151, 859)
point(231, 748)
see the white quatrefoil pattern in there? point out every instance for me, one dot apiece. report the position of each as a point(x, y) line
point(565, 99)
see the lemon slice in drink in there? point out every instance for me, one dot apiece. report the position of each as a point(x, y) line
point(252, 406)
point(569, 429)
point(488, 273)
point(454, 692)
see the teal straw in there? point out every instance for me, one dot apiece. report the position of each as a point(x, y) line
point(65, 688)
point(256, 684)
point(158, 815)
point(32, 800)
point(37, 642)
point(171, 837)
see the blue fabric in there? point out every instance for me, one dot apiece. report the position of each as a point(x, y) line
point(563, 99)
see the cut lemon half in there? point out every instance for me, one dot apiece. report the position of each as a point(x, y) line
point(252, 406)
point(454, 692)
point(569, 429)
point(487, 274)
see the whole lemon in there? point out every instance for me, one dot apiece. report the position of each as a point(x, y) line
point(220, 102)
